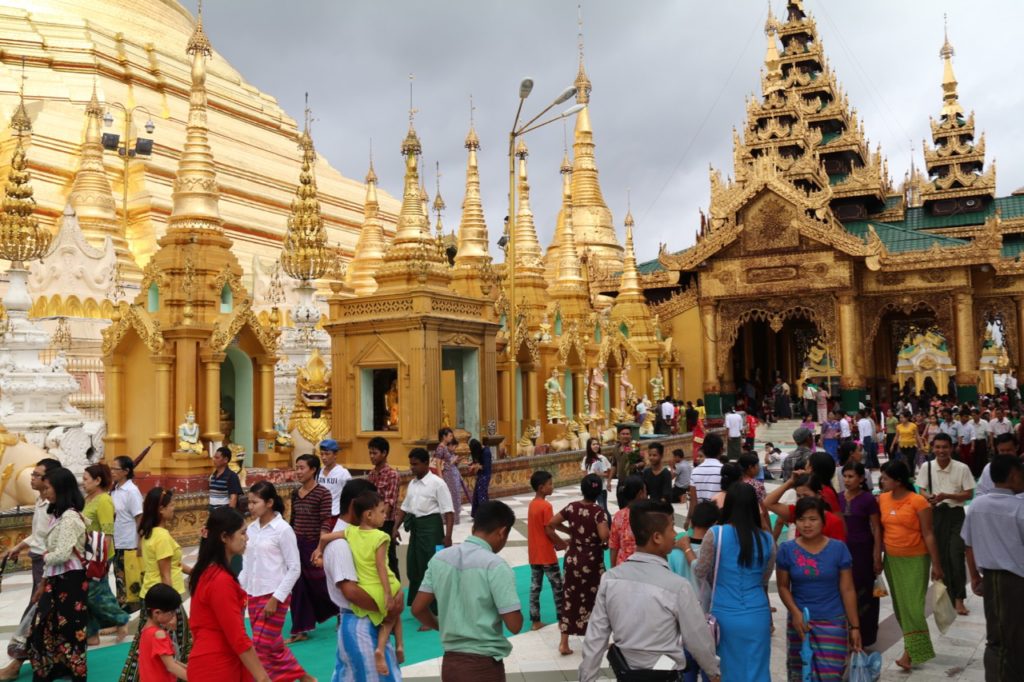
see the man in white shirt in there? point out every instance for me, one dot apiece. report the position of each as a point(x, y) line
point(845, 432)
point(332, 476)
point(734, 425)
point(357, 635)
point(965, 434)
point(1005, 444)
point(947, 485)
point(127, 516)
point(706, 478)
point(866, 433)
point(1000, 424)
point(427, 502)
point(982, 441)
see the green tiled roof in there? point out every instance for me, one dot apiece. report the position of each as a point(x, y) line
point(899, 239)
point(647, 267)
point(919, 218)
point(1013, 246)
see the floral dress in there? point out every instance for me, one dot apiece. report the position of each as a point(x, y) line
point(56, 645)
point(584, 565)
point(452, 477)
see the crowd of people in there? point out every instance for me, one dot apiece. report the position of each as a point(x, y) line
point(831, 540)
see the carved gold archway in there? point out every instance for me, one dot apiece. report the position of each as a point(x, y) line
point(938, 304)
point(819, 310)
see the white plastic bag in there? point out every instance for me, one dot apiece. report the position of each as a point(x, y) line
point(865, 667)
point(941, 605)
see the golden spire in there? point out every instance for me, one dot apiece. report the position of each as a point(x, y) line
point(569, 273)
point(950, 103)
point(629, 285)
point(369, 251)
point(591, 218)
point(439, 205)
point(21, 237)
point(528, 253)
point(412, 259)
point(304, 254)
point(91, 196)
point(772, 61)
point(630, 305)
point(195, 184)
point(582, 82)
point(473, 252)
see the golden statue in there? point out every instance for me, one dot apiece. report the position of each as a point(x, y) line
point(311, 414)
point(283, 438)
point(657, 388)
point(391, 404)
point(626, 392)
point(556, 397)
point(188, 434)
point(597, 384)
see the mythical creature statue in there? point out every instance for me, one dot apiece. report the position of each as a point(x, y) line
point(311, 415)
point(188, 434)
point(525, 446)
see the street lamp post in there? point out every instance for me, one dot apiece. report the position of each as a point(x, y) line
point(525, 87)
point(127, 148)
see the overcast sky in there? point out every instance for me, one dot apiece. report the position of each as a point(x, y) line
point(669, 83)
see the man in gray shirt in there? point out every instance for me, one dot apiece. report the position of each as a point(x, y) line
point(797, 459)
point(644, 635)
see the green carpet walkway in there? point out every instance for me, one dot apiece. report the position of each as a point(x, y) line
point(317, 654)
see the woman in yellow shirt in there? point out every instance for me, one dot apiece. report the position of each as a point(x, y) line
point(104, 611)
point(905, 442)
point(161, 563)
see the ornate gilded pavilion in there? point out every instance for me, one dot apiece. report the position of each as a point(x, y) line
point(192, 325)
point(808, 245)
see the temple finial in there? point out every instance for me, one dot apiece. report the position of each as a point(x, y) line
point(439, 205)
point(371, 175)
point(950, 98)
point(20, 121)
point(199, 42)
point(582, 82)
point(412, 141)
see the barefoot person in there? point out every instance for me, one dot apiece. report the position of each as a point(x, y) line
point(270, 568)
point(369, 546)
point(427, 505)
point(357, 635)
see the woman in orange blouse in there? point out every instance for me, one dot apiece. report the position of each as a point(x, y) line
point(909, 552)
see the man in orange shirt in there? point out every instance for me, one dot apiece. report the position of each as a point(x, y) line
point(541, 543)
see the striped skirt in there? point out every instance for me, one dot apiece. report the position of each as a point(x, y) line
point(277, 659)
point(829, 648)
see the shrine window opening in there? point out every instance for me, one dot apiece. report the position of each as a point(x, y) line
point(227, 299)
point(558, 324)
point(153, 298)
point(597, 333)
point(624, 328)
point(379, 399)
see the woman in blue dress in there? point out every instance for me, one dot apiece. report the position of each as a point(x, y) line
point(738, 598)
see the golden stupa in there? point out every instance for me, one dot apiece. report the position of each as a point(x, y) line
point(130, 53)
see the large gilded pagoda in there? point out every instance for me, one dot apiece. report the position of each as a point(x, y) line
point(810, 264)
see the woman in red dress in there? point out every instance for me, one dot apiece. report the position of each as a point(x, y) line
point(221, 649)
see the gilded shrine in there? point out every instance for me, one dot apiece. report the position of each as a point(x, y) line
point(810, 261)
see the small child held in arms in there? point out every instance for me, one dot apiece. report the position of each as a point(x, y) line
point(369, 545)
point(541, 544)
point(156, 650)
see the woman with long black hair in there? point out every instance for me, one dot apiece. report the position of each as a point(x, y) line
point(56, 645)
point(161, 561)
point(269, 571)
point(222, 651)
point(481, 466)
point(596, 463)
point(736, 559)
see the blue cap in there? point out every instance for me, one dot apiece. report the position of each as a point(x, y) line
point(329, 444)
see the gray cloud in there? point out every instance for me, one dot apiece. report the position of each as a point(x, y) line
point(669, 77)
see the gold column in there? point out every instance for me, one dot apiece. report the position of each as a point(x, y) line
point(1019, 342)
point(211, 413)
point(851, 348)
point(578, 392)
point(710, 329)
point(265, 427)
point(186, 392)
point(162, 397)
point(488, 390)
point(966, 350)
point(532, 404)
point(114, 407)
point(503, 404)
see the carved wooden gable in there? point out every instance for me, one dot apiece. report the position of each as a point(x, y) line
point(768, 224)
